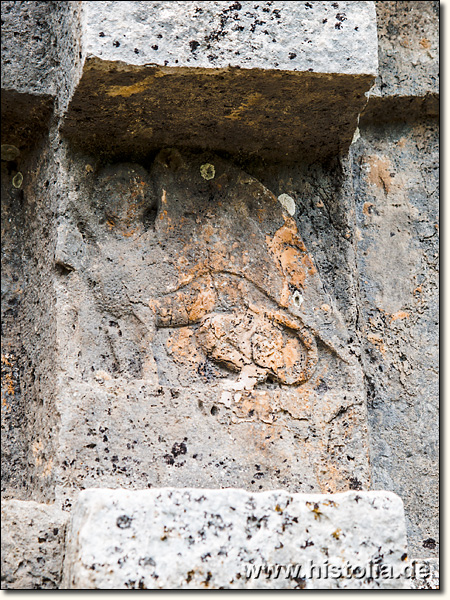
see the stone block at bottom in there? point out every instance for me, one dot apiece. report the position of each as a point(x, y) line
point(180, 538)
point(32, 545)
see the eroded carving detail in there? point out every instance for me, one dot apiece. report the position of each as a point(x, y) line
point(241, 282)
point(219, 256)
point(254, 341)
point(194, 303)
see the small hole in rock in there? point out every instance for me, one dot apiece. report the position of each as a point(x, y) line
point(149, 218)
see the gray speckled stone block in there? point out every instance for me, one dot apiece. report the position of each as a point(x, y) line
point(172, 538)
point(40, 56)
point(281, 79)
point(325, 37)
point(408, 39)
point(32, 545)
point(407, 85)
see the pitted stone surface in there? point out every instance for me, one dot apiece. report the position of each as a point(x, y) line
point(429, 578)
point(100, 389)
point(40, 59)
point(28, 54)
point(397, 218)
point(408, 34)
point(191, 310)
point(32, 545)
point(407, 86)
point(197, 539)
point(324, 37)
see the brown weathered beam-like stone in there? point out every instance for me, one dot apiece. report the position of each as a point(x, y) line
point(118, 110)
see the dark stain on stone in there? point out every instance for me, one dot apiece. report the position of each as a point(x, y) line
point(322, 387)
point(355, 484)
point(169, 459)
point(179, 448)
point(124, 522)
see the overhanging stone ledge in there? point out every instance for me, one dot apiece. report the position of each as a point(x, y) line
point(283, 81)
point(120, 110)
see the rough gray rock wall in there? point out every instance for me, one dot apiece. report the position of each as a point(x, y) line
point(396, 181)
point(408, 49)
point(26, 25)
point(41, 55)
point(32, 545)
point(407, 86)
point(29, 236)
point(13, 407)
point(396, 173)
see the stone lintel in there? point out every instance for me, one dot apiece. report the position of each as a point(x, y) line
point(284, 80)
point(123, 111)
point(322, 37)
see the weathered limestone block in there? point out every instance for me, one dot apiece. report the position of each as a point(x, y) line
point(189, 309)
point(27, 70)
point(408, 34)
point(40, 56)
point(429, 581)
point(231, 34)
point(29, 341)
point(397, 195)
point(407, 85)
point(28, 48)
point(196, 539)
point(33, 538)
point(278, 79)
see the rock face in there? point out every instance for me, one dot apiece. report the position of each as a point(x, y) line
point(40, 58)
point(397, 226)
point(210, 313)
point(232, 539)
point(32, 545)
point(408, 49)
point(219, 264)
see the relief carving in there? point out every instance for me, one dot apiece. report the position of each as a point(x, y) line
point(210, 249)
point(256, 342)
point(244, 276)
point(187, 286)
